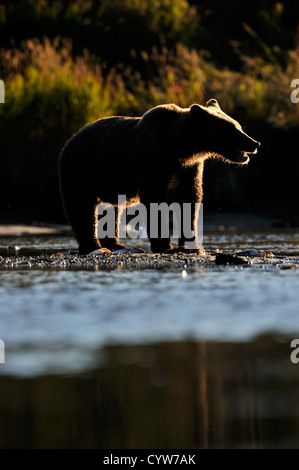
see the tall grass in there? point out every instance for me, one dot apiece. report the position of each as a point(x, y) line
point(176, 19)
point(44, 83)
point(50, 94)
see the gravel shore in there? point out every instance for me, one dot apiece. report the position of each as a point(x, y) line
point(69, 260)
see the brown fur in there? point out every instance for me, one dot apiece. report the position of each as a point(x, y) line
point(158, 157)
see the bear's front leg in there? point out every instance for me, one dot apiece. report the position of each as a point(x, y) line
point(189, 240)
point(189, 196)
point(158, 243)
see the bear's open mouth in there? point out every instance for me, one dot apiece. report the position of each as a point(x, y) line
point(245, 156)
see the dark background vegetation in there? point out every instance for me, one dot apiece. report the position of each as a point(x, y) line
point(68, 63)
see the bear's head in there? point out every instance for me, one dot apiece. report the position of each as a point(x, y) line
point(219, 135)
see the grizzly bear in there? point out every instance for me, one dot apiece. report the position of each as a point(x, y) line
point(158, 157)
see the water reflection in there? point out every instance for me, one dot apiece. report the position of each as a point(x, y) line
point(165, 395)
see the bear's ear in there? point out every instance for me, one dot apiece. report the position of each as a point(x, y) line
point(198, 111)
point(213, 103)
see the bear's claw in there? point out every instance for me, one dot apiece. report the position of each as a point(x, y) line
point(100, 251)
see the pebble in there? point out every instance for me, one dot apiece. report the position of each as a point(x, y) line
point(251, 252)
point(228, 258)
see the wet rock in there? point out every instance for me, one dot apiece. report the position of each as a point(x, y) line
point(124, 251)
point(251, 253)
point(288, 266)
point(228, 258)
point(12, 248)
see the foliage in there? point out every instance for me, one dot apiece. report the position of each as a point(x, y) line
point(68, 63)
point(45, 84)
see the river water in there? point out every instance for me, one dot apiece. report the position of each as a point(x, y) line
point(203, 356)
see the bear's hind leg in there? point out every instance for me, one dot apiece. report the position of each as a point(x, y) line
point(82, 215)
point(112, 243)
point(189, 191)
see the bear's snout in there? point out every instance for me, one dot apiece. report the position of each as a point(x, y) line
point(249, 145)
point(246, 148)
point(255, 147)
